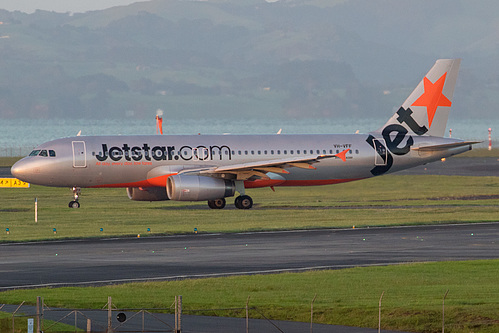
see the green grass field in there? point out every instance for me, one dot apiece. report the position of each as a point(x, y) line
point(412, 300)
point(381, 201)
point(413, 293)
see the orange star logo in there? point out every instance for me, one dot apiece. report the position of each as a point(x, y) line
point(433, 97)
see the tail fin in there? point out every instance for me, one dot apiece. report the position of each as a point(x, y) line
point(426, 110)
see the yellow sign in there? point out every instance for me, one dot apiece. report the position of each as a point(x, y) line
point(13, 182)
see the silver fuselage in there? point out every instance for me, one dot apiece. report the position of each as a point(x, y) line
point(146, 161)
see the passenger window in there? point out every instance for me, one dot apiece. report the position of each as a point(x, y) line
point(356, 151)
point(330, 151)
point(337, 151)
point(259, 152)
point(298, 151)
point(265, 152)
point(245, 152)
point(350, 151)
point(272, 152)
point(43, 153)
point(318, 151)
point(252, 152)
point(52, 153)
point(285, 152)
point(291, 152)
point(278, 152)
point(324, 151)
point(311, 151)
point(239, 152)
point(34, 153)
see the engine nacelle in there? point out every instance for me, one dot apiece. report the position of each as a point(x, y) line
point(147, 193)
point(198, 188)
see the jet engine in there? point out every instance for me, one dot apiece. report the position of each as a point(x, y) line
point(197, 188)
point(147, 193)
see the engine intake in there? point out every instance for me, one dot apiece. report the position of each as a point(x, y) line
point(198, 188)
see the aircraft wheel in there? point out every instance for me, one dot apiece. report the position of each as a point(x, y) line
point(243, 202)
point(217, 203)
point(74, 204)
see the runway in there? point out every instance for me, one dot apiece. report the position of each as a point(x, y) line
point(103, 261)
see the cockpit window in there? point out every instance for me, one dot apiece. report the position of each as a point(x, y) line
point(43, 153)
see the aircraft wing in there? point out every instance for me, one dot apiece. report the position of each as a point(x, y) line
point(245, 171)
point(445, 146)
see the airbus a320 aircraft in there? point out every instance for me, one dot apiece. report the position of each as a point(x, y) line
point(214, 167)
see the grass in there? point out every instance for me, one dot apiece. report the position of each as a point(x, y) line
point(412, 300)
point(21, 326)
point(481, 152)
point(381, 201)
point(8, 161)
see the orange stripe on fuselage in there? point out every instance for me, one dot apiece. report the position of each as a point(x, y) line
point(161, 182)
point(152, 182)
point(315, 182)
point(262, 183)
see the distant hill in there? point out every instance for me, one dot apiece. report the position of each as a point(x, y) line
point(244, 58)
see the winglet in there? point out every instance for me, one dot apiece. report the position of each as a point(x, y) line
point(343, 155)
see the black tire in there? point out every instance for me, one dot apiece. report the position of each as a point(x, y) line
point(74, 204)
point(243, 202)
point(217, 203)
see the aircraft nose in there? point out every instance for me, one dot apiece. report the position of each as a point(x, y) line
point(21, 169)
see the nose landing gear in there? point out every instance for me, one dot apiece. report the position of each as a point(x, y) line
point(76, 193)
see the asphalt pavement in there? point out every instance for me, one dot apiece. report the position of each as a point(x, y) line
point(119, 260)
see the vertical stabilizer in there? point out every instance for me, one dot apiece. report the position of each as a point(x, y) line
point(426, 110)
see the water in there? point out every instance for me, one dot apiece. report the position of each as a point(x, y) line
point(19, 136)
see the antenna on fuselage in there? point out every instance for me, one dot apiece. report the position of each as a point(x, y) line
point(79, 133)
point(279, 131)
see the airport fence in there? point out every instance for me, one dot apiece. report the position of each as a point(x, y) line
point(15, 151)
point(111, 319)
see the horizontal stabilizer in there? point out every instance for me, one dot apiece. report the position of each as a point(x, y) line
point(445, 146)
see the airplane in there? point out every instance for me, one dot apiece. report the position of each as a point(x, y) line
point(214, 167)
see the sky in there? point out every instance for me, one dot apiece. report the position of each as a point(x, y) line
point(62, 6)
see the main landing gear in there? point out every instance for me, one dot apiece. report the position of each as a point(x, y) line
point(216, 204)
point(241, 202)
point(76, 194)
